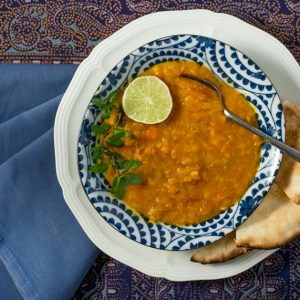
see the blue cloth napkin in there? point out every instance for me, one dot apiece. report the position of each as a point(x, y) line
point(44, 252)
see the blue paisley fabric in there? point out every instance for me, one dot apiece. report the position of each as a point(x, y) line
point(65, 31)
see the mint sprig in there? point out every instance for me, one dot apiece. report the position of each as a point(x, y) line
point(127, 164)
point(101, 129)
point(105, 157)
point(99, 168)
point(120, 183)
point(116, 140)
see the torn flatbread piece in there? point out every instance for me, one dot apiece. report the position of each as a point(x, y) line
point(220, 251)
point(274, 223)
point(289, 173)
point(292, 123)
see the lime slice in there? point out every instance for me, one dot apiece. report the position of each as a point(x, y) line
point(147, 100)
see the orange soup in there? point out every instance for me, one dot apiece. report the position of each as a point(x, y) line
point(197, 163)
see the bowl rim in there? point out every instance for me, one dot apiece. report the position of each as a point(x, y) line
point(278, 158)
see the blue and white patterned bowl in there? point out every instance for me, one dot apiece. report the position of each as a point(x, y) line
point(232, 67)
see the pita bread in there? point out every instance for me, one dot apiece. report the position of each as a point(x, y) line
point(289, 173)
point(219, 251)
point(292, 123)
point(274, 223)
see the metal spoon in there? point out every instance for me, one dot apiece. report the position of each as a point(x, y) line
point(295, 154)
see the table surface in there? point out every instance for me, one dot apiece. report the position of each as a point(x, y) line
point(65, 31)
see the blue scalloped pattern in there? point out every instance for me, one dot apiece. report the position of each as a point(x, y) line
point(232, 67)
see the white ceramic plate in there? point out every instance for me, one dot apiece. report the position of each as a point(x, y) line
point(275, 60)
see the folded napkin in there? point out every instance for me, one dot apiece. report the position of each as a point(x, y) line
point(42, 247)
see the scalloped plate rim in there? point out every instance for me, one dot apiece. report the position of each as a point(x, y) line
point(70, 186)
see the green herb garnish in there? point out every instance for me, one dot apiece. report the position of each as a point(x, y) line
point(99, 150)
point(112, 136)
point(101, 129)
point(128, 164)
point(99, 168)
point(117, 139)
point(113, 96)
point(121, 182)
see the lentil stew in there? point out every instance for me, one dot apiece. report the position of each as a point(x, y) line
point(196, 163)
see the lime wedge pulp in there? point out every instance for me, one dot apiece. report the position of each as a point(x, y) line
point(147, 100)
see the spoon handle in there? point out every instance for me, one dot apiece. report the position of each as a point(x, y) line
point(295, 154)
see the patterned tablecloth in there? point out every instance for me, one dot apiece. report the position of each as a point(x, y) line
point(65, 31)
